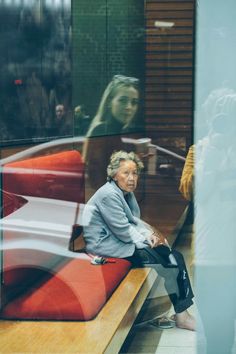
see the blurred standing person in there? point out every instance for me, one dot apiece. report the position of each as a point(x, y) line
point(59, 112)
point(62, 126)
point(82, 121)
point(215, 224)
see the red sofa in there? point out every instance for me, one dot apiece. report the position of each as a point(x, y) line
point(41, 283)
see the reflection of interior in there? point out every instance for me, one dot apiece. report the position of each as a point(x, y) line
point(41, 279)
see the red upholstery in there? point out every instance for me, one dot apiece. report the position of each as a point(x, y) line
point(60, 288)
point(11, 203)
point(76, 292)
point(22, 266)
point(58, 176)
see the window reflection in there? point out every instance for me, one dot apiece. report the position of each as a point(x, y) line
point(35, 70)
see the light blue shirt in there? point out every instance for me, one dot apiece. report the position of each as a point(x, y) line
point(112, 231)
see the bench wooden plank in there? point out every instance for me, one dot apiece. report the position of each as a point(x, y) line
point(105, 334)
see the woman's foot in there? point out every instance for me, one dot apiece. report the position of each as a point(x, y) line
point(185, 320)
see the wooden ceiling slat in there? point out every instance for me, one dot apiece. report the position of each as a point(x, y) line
point(174, 31)
point(166, 5)
point(170, 64)
point(154, 91)
point(170, 14)
point(170, 113)
point(180, 22)
point(156, 39)
point(173, 105)
point(169, 70)
point(169, 96)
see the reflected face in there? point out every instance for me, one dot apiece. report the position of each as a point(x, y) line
point(127, 176)
point(124, 105)
point(60, 111)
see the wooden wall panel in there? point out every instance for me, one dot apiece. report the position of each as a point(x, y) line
point(169, 68)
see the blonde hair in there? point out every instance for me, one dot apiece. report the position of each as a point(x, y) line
point(104, 110)
point(119, 156)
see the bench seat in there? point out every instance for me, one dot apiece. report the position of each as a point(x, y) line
point(104, 334)
point(75, 291)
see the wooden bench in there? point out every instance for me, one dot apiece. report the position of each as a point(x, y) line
point(105, 334)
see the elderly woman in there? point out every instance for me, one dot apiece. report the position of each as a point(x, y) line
point(116, 230)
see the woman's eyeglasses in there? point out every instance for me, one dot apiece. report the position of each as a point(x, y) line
point(125, 79)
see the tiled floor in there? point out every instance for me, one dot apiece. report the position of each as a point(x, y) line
point(147, 339)
point(177, 341)
point(151, 340)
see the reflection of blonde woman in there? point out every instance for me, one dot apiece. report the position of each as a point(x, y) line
point(115, 115)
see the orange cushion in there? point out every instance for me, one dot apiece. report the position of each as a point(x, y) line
point(76, 292)
point(58, 176)
point(22, 266)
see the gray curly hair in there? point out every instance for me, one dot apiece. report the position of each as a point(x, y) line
point(119, 156)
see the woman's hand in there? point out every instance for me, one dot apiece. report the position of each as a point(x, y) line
point(157, 239)
point(153, 240)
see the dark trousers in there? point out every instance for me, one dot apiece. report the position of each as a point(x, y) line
point(176, 277)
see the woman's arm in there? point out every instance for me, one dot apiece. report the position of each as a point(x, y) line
point(113, 213)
